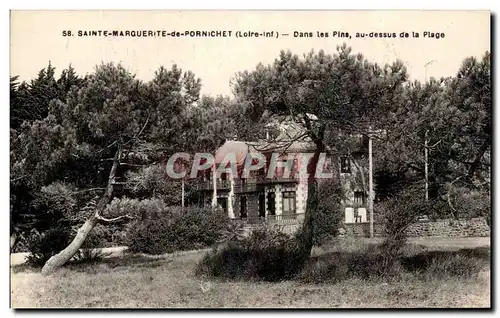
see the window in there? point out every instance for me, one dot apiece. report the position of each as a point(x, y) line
point(243, 207)
point(289, 202)
point(359, 198)
point(345, 165)
point(271, 203)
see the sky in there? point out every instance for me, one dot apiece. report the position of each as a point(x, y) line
point(37, 37)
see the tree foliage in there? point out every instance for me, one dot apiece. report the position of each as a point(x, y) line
point(77, 139)
point(328, 95)
point(453, 115)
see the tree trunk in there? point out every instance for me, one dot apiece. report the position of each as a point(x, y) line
point(305, 238)
point(58, 260)
point(477, 159)
point(65, 255)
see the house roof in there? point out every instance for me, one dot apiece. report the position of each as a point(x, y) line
point(240, 150)
point(291, 139)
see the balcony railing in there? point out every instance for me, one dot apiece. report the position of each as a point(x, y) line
point(282, 219)
point(208, 185)
point(277, 179)
point(248, 185)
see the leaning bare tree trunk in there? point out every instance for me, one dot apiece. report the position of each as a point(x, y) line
point(65, 255)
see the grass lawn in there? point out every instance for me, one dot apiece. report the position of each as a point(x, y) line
point(138, 282)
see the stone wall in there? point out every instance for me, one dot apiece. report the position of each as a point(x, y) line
point(451, 228)
point(443, 228)
point(362, 229)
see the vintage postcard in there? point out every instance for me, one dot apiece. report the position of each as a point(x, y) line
point(250, 159)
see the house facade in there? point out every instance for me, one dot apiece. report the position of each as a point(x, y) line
point(281, 199)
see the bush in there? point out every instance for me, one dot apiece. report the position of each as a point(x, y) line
point(89, 255)
point(329, 214)
point(42, 246)
point(266, 254)
point(105, 236)
point(399, 212)
point(456, 265)
point(143, 209)
point(438, 264)
point(469, 203)
point(369, 263)
point(176, 229)
point(55, 207)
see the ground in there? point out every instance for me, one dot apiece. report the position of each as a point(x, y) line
point(169, 282)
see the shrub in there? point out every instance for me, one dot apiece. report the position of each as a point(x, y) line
point(456, 265)
point(399, 212)
point(234, 231)
point(266, 254)
point(143, 209)
point(329, 214)
point(176, 229)
point(437, 264)
point(371, 263)
point(469, 203)
point(43, 246)
point(89, 255)
point(337, 266)
point(108, 235)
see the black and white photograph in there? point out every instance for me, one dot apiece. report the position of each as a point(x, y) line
point(250, 159)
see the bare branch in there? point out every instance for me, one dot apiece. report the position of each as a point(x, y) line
point(108, 146)
point(18, 178)
point(117, 219)
point(279, 144)
point(136, 165)
point(437, 143)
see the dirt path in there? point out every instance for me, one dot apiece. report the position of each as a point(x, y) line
point(20, 258)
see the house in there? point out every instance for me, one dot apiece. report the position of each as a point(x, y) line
point(274, 195)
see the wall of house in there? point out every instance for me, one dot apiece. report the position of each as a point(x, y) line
point(252, 204)
point(278, 189)
point(278, 198)
point(444, 228)
point(301, 196)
